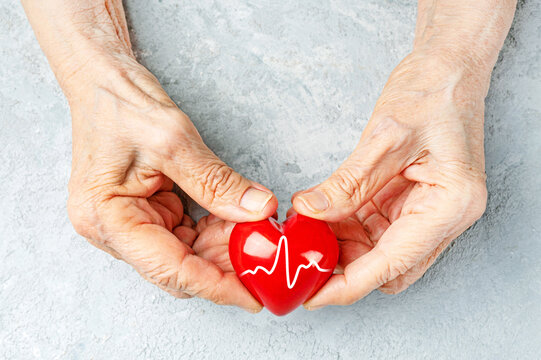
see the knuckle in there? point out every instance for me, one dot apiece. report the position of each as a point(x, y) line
point(474, 198)
point(79, 217)
point(383, 276)
point(217, 293)
point(393, 268)
point(169, 140)
point(166, 278)
point(479, 196)
point(467, 189)
point(394, 287)
point(218, 179)
point(346, 183)
point(172, 132)
point(83, 211)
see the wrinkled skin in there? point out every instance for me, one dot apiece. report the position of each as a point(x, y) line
point(416, 179)
point(130, 144)
point(413, 184)
point(125, 154)
point(213, 241)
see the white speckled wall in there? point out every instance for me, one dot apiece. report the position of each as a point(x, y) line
point(281, 91)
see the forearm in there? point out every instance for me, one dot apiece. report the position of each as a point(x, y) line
point(469, 32)
point(79, 37)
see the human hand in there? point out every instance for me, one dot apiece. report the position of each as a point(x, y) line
point(416, 179)
point(413, 184)
point(130, 142)
point(212, 244)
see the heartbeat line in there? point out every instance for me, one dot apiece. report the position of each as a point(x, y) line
point(290, 284)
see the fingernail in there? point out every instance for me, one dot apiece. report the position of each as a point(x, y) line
point(312, 308)
point(253, 310)
point(255, 200)
point(315, 201)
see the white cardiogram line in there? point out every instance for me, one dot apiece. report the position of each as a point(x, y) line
point(283, 240)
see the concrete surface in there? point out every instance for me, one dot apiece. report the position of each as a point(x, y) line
point(280, 90)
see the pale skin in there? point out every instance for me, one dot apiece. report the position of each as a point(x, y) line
point(414, 182)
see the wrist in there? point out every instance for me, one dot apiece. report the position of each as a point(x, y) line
point(118, 75)
point(466, 34)
point(459, 59)
point(86, 55)
point(81, 39)
point(429, 87)
point(454, 62)
point(440, 69)
point(90, 66)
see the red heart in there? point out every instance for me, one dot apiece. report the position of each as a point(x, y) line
point(283, 265)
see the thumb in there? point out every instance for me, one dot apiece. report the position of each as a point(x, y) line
point(383, 152)
point(214, 185)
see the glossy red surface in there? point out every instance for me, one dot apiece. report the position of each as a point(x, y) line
point(283, 265)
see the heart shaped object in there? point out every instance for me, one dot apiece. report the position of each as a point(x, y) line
point(283, 265)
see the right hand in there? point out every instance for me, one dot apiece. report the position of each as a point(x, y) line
point(130, 143)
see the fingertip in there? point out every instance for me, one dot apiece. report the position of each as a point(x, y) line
point(253, 310)
point(314, 304)
point(295, 194)
point(201, 224)
point(187, 221)
point(185, 234)
point(255, 200)
point(291, 211)
point(257, 205)
point(313, 204)
point(312, 307)
point(314, 201)
point(332, 293)
point(299, 206)
point(271, 208)
point(318, 205)
point(177, 294)
point(226, 227)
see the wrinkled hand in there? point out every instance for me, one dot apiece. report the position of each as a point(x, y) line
point(212, 244)
point(130, 142)
point(414, 182)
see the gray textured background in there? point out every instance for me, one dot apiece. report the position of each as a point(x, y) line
point(280, 90)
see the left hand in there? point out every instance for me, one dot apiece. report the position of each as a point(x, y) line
point(415, 181)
